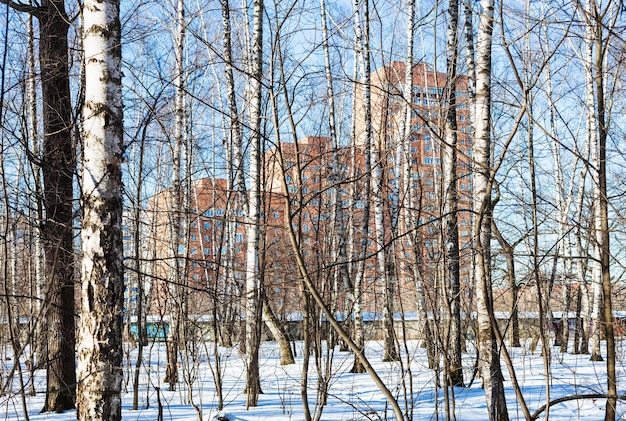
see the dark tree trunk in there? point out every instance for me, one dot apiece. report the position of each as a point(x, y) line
point(58, 167)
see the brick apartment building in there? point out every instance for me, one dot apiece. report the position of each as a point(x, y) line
point(321, 182)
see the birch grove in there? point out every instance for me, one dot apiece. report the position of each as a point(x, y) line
point(442, 177)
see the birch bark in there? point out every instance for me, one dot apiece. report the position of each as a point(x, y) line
point(364, 195)
point(483, 179)
point(100, 329)
point(253, 302)
point(175, 286)
point(451, 205)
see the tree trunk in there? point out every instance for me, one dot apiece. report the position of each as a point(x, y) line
point(339, 247)
point(509, 256)
point(273, 324)
point(603, 206)
point(236, 177)
point(452, 269)
point(483, 179)
point(37, 212)
point(101, 328)
point(176, 286)
point(364, 194)
point(58, 167)
point(252, 338)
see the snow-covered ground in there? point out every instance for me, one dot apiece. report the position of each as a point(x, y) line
point(351, 396)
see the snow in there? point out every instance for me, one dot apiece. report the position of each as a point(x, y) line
point(353, 397)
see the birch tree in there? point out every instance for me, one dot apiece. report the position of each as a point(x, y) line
point(450, 206)
point(483, 179)
point(177, 281)
point(236, 177)
point(100, 328)
point(252, 337)
point(360, 70)
point(600, 23)
point(376, 179)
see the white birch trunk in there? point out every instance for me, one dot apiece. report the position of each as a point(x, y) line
point(253, 387)
point(338, 221)
point(175, 283)
point(360, 69)
point(487, 346)
point(100, 328)
point(33, 135)
point(592, 134)
point(564, 197)
point(581, 344)
point(407, 197)
point(450, 205)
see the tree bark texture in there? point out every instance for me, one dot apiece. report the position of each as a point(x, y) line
point(58, 167)
point(253, 285)
point(487, 345)
point(451, 205)
point(101, 328)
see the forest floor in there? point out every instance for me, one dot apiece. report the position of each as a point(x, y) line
point(352, 397)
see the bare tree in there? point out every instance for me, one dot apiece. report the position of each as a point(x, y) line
point(361, 70)
point(450, 206)
point(101, 327)
point(483, 181)
point(253, 286)
point(600, 23)
point(176, 291)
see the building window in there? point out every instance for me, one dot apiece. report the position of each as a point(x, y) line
point(238, 238)
point(207, 225)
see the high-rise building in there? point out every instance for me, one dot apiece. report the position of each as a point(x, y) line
point(412, 160)
point(323, 188)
